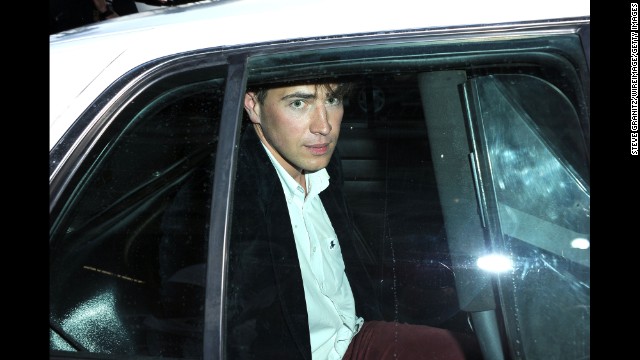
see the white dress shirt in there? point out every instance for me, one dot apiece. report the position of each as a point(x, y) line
point(330, 305)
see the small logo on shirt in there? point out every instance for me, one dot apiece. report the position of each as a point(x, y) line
point(332, 245)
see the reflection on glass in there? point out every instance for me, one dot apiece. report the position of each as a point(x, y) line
point(539, 186)
point(495, 263)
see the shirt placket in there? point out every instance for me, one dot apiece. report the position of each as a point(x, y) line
point(315, 258)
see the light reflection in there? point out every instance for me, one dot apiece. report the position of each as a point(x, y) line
point(495, 263)
point(113, 274)
point(96, 325)
point(580, 243)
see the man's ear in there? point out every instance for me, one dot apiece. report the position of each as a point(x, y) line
point(252, 107)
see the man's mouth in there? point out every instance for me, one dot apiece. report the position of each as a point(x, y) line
point(319, 149)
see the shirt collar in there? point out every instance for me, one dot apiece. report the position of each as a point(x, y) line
point(316, 181)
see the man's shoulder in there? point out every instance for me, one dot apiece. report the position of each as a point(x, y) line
point(256, 178)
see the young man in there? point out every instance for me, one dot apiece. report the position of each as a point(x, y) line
point(298, 288)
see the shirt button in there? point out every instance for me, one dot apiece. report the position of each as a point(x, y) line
point(314, 249)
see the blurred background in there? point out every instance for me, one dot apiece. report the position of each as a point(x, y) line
point(69, 14)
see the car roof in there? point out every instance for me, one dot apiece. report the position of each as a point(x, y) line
point(84, 61)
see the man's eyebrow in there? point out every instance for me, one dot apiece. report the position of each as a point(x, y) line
point(299, 95)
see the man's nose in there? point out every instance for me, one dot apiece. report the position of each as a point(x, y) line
point(320, 121)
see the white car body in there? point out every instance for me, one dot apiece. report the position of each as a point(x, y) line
point(85, 61)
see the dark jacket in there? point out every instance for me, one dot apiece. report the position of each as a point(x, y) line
point(265, 303)
point(267, 315)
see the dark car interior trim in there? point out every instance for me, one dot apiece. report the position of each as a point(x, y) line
point(225, 170)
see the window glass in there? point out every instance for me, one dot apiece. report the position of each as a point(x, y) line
point(390, 185)
point(540, 188)
point(128, 248)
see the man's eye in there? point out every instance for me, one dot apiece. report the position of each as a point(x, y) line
point(297, 104)
point(333, 101)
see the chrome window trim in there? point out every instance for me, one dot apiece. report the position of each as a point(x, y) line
point(223, 184)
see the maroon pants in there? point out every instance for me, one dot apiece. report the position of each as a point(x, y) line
point(381, 340)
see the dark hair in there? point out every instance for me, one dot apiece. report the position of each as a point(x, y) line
point(340, 91)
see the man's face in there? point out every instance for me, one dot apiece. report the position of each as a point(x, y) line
point(299, 124)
